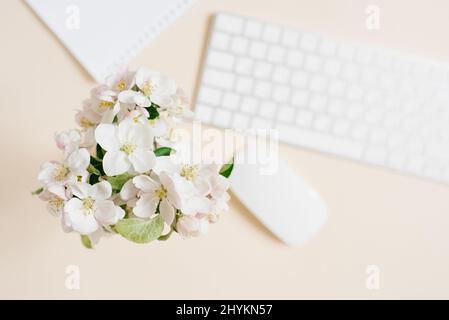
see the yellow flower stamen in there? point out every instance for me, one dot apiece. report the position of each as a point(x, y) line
point(161, 192)
point(60, 173)
point(105, 104)
point(88, 204)
point(121, 85)
point(189, 172)
point(147, 88)
point(128, 148)
point(85, 123)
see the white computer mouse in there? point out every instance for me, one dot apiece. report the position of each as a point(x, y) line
point(289, 207)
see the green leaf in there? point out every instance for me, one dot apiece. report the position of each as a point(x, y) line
point(153, 112)
point(163, 151)
point(140, 230)
point(92, 169)
point(135, 88)
point(165, 237)
point(226, 169)
point(86, 241)
point(97, 164)
point(37, 191)
point(99, 151)
point(93, 179)
point(117, 182)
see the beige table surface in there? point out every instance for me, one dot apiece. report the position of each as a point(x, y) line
point(395, 222)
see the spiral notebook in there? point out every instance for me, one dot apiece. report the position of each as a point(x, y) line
point(105, 34)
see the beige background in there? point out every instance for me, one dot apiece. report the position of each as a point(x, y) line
point(376, 217)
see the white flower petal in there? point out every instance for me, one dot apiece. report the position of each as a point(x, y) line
point(78, 161)
point(115, 163)
point(101, 190)
point(142, 160)
point(106, 212)
point(127, 96)
point(78, 219)
point(167, 211)
point(188, 226)
point(106, 136)
point(58, 190)
point(145, 183)
point(146, 205)
point(81, 190)
point(128, 191)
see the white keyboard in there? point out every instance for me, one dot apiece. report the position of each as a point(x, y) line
point(369, 104)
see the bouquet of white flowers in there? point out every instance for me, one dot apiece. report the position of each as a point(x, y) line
point(120, 171)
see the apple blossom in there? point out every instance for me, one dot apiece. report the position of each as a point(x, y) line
point(91, 207)
point(122, 170)
point(128, 146)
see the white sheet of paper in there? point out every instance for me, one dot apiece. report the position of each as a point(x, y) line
point(105, 34)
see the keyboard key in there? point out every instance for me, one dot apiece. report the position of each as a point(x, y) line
point(257, 50)
point(364, 55)
point(267, 109)
point(337, 88)
point(345, 51)
point(260, 123)
point(290, 38)
point(286, 114)
point(244, 65)
point(239, 45)
point(318, 83)
point(376, 155)
point(240, 121)
point(378, 136)
point(304, 118)
point(295, 59)
point(299, 79)
point(262, 89)
point(244, 85)
point(300, 98)
point(328, 47)
point(318, 103)
point(281, 74)
point(253, 29)
point(397, 159)
point(324, 142)
point(209, 96)
point(281, 93)
point(231, 101)
point(336, 107)
point(222, 118)
point(249, 105)
point(359, 132)
point(275, 54)
point(220, 60)
point(396, 140)
point(416, 163)
point(350, 72)
point(219, 79)
point(262, 70)
point(204, 113)
point(220, 41)
point(341, 127)
point(308, 42)
point(322, 123)
point(271, 33)
point(228, 23)
point(332, 67)
point(313, 63)
point(355, 112)
point(354, 92)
